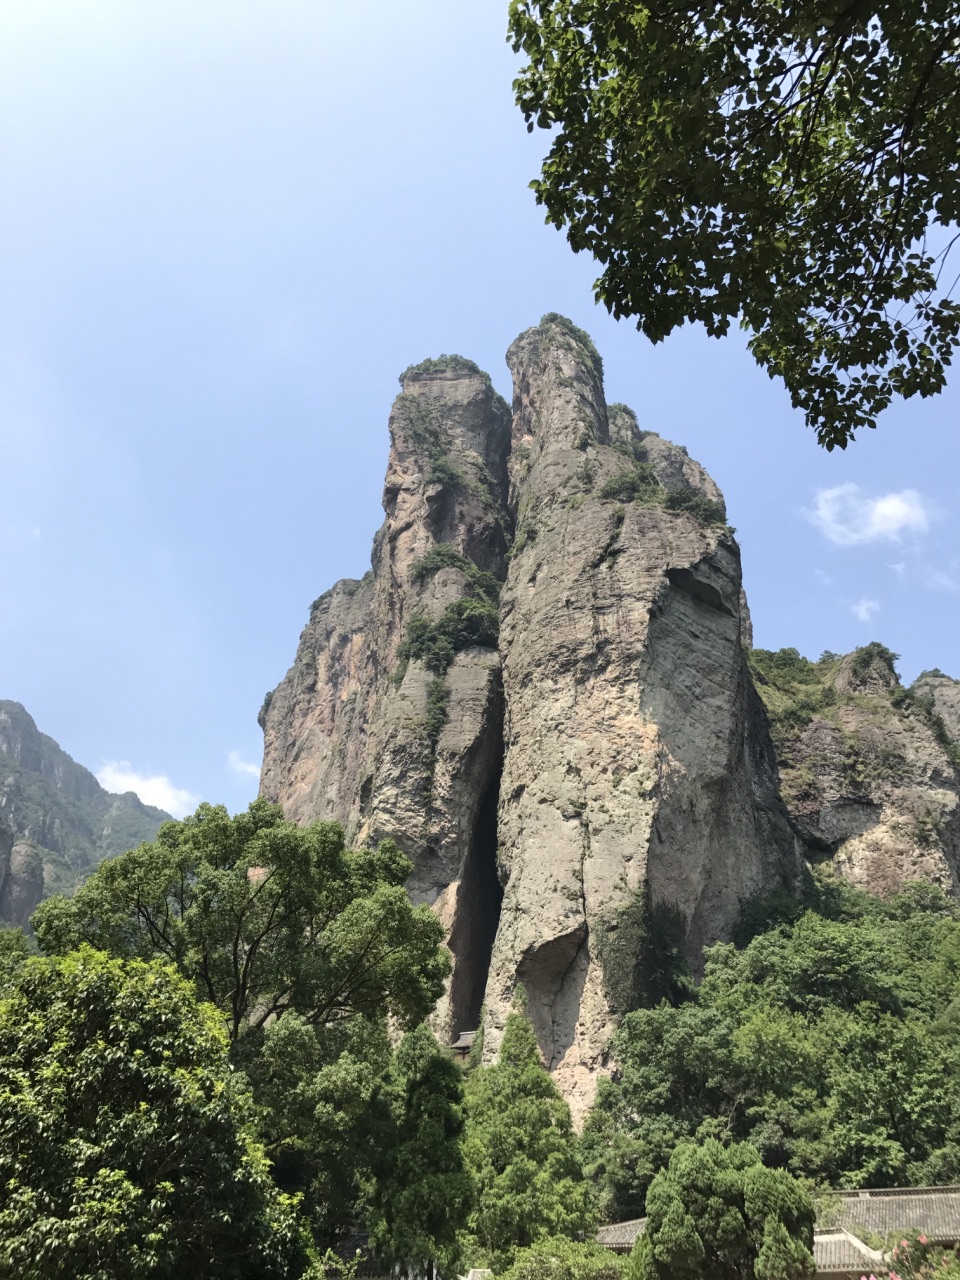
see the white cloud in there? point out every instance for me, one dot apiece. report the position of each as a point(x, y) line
point(864, 610)
point(938, 580)
point(239, 765)
point(119, 775)
point(848, 519)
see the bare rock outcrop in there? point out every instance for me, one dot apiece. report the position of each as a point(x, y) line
point(941, 696)
point(603, 765)
point(868, 769)
point(639, 792)
point(391, 719)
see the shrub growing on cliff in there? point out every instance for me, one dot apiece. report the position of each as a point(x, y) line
point(520, 1150)
point(703, 509)
point(463, 624)
point(638, 484)
point(443, 556)
point(124, 1150)
point(444, 364)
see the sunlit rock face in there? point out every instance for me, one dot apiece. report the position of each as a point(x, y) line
point(870, 778)
point(597, 786)
point(639, 802)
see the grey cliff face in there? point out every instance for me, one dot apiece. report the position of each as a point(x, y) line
point(871, 781)
point(639, 782)
point(403, 741)
point(606, 767)
point(59, 820)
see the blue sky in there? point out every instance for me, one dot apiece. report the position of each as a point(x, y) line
point(224, 229)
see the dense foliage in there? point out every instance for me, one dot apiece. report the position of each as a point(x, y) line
point(776, 164)
point(520, 1150)
point(305, 948)
point(717, 1211)
point(264, 917)
point(465, 623)
point(444, 364)
point(560, 1258)
point(145, 1133)
point(831, 1042)
point(124, 1147)
point(422, 1190)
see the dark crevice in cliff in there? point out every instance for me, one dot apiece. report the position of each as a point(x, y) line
point(478, 913)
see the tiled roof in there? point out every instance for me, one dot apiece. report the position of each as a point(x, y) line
point(621, 1236)
point(466, 1040)
point(840, 1251)
point(933, 1210)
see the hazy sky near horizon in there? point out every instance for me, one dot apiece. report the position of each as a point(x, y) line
point(224, 230)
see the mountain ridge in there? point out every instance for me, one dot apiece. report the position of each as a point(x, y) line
point(59, 822)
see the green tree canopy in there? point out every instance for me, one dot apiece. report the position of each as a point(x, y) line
point(716, 1211)
point(774, 163)
point(520, 1149)
point(264, 917)
point(304, 946)
point(123, 1146)
point(560, 1258)
point(422, 1191)
point(831, 1042)
point(316, 1097)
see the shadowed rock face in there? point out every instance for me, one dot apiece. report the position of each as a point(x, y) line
point(606, 768)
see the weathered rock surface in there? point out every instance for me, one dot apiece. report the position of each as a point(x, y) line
point(639, 782)
point(868, 774)
point(60, 822)
point(593, 794)
point(408, 745)
point(942, 695)
point(638, 800)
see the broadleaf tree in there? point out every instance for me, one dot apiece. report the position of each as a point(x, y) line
point(125, 1150)
point(305, 947)
point(788, 165)
point(264, 917)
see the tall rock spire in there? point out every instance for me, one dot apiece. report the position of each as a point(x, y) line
point(605, 765)
point(391, 719)
point(639, 791)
